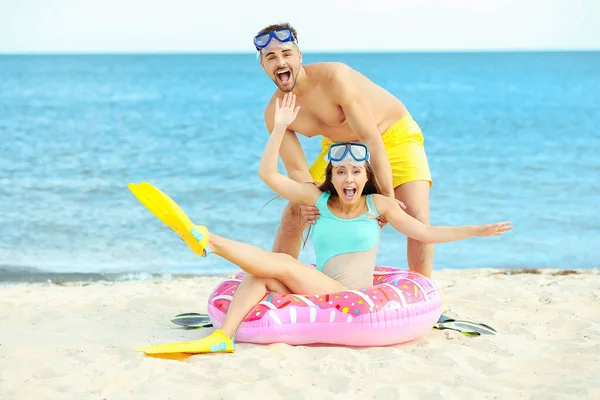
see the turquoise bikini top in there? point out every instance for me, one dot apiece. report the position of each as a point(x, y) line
point(333, 235)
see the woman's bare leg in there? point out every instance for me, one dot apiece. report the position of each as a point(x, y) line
point(297, 276)
point(270, 271)
point(248, 294)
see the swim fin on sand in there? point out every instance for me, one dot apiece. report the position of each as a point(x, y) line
point(467, 328)
point(169, 212)
point(192, 320)
point(219, 342)
point(216, 342)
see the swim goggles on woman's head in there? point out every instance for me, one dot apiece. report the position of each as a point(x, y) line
point(262, 40)
point(339, 151)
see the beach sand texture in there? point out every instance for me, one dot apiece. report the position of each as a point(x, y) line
point(78, 341)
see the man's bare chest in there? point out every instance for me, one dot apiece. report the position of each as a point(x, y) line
point(321, 119)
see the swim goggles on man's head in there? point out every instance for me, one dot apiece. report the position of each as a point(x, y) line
point(340, 151)
point(283, 35)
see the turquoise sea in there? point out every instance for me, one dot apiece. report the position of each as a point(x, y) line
point(509, 136)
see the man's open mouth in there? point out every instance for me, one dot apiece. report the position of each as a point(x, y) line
point(283, 75)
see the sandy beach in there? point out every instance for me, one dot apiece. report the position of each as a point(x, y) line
point(77, 341)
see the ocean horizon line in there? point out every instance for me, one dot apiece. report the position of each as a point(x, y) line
point(253, 52)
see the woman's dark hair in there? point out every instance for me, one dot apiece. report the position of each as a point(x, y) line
point(371, 187)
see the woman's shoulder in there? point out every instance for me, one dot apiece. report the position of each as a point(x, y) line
point(378, 197)
point(381, 202)
point(322, 200)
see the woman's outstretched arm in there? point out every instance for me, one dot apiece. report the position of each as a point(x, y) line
point(415, 229)
point(296, 192)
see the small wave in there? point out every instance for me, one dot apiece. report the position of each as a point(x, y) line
point(20, 274)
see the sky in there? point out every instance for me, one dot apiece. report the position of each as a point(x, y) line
point(156, 26)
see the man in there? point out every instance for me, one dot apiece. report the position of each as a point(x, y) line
point(343, 105)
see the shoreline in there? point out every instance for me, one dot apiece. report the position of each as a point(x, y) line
point(15, 277)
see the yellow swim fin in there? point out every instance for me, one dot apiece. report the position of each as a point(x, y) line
point(216, 342)
point(169, 212)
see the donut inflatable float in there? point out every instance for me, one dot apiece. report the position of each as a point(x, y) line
point(400, 306)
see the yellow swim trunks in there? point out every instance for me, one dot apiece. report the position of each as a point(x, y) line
point(404, 144)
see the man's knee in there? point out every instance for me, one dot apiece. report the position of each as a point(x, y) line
point(419, 213)
point(415, 196)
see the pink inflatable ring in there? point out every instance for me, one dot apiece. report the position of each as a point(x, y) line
point(400, 306)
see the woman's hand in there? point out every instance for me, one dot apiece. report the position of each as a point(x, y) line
point(286, 112)
point(493, 229)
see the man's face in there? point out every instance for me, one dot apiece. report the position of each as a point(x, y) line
point(282, 61)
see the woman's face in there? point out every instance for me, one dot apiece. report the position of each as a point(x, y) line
point(349, 182)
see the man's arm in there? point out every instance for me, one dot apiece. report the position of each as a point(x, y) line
point(291, 152)
point(360, 119)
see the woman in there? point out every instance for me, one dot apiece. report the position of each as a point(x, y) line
point(345, 237)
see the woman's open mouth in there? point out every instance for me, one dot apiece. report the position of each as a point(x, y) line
point(349, 193)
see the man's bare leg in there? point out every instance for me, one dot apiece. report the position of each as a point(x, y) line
point(415, 195)
point(289, 235)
